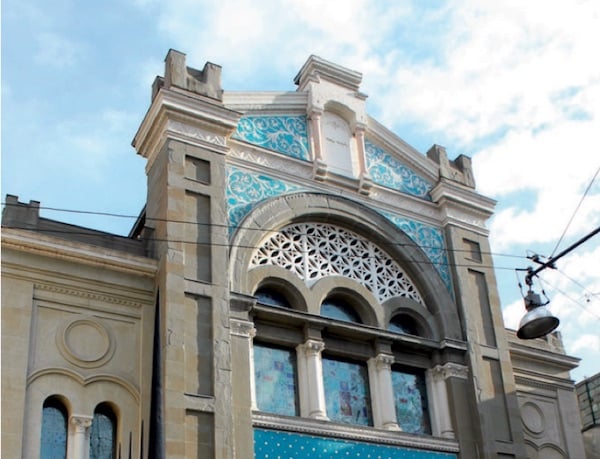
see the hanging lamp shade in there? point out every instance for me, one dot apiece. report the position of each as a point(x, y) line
point(538, 321)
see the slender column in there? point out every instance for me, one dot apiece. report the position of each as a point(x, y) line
point(319, 166)
point(81, 425)
point(438, 393)
point(382, 392)
point(251, 335)
point(365, 182)
point(310, 379)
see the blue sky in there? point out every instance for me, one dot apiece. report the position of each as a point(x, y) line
point(515, 85)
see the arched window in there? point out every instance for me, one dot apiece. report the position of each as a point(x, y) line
point(103, 433)
point(405, 324)
point(339, 310)
point(272, 298)
point(54, 430)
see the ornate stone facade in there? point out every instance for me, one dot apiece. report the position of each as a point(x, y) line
point(301, 281)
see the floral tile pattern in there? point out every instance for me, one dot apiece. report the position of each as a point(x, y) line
point(275, 376)
point(347, 392)
point(285, 134)
point(246, 189)
point(430, 239)
point(387, 171)
point(273, 444)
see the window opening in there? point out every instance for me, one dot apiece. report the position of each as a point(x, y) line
point(403, 324)
point(410, 396)
point(275, 372)
point(347, 391)
point(103, 433)
point(54, 430)
point(272, 298)
point(335, 309)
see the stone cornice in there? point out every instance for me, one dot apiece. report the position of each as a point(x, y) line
point(271, 102)
point(46, 246)
point(196, 111)
point(368, 434)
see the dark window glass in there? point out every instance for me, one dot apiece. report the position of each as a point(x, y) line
point(272, 298)
point(403, 324)
point(335, 309)
point(54, 430)
point(103, 433)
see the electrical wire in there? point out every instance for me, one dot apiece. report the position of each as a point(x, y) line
point(576, 302)
point(216, 225)
point(575, 212)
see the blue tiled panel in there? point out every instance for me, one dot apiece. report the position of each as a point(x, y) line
point(430, 239)
point(284, 134)
point(387, 171)
point(410, 396)
point(347, 391)
point(246, 189)
point(102, 437)
point(54, 433)
point(275, 377)
point(272, 444)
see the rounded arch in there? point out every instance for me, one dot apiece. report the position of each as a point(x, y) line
point(425, 322)
point(276, 213)
point(282, 281)
point(357, 296)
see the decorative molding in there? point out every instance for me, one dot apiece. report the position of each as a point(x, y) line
point(76, 252)
point(242, 328)
point(450, 370)
point(195, 132)
point(345, 431)
point(254, 155)
point(85, 294)
point(94, 358)
point(313, 251)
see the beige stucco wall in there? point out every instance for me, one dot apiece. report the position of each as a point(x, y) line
point(77, 323)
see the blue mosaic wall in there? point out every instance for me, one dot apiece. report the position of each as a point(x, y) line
point(387, 171)
point(272, 444)
point(410, 396)
point(275, 377)
point(347, 392)
point(284, 134)
point(246, 189)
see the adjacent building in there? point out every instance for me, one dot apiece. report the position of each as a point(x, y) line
point(300, 284)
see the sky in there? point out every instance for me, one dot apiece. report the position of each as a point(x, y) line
point(514, 85)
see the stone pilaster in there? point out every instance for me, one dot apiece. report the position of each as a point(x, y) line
point(382, 392)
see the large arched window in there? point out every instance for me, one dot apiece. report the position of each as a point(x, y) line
point(54, 430)
point(103, 433)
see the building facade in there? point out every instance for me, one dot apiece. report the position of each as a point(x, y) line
point(301, 283)
point(588, 395)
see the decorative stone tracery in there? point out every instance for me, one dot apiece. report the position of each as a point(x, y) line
point(313, 251)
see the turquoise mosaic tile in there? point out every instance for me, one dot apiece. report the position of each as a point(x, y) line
point(275, 377)
point(285, 134)
point(273, 444)
point(385, 170)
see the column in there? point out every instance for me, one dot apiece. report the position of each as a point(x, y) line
point(319, 167)
point(81, 438)
point(365, 182)
point(438, 393)
point(382, 392)
point(310, 379)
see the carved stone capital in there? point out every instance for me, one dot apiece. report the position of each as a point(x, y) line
point(450, 370)
point(81, 422)
point(383, 361)
point(313, 346)
point(242, 328)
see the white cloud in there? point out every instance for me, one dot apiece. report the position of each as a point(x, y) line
point(57, 51)
point(586, 342)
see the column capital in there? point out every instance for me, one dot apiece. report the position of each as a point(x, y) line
point(81, 422)
point(384, 361)
point(313, 346)
point(450, 370)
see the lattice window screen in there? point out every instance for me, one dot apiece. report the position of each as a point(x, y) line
point(313, 251)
